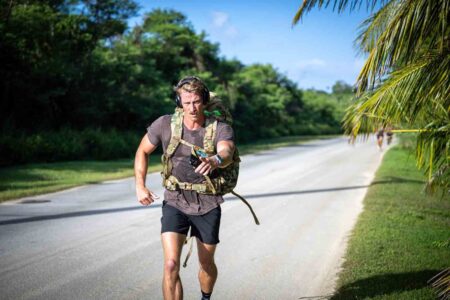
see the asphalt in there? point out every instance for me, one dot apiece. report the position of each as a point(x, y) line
point(97, 242)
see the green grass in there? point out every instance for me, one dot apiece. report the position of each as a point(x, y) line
point(34, 179)
point(402, 238)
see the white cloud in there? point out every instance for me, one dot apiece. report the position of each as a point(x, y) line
point(221, 26)
point(219, 19)
point(314, 64)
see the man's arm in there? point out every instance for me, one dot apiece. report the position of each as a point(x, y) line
point(144, 195)
point(226, 150)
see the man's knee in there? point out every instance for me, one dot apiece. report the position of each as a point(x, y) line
point(171, 267)
point(207, 265)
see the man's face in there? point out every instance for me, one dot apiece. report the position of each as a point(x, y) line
point(192, 105)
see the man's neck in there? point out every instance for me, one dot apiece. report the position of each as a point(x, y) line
point(193, 125)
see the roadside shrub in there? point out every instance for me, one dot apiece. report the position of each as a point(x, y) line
point(66, 144)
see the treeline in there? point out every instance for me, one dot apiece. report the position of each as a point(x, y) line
point(76, 83)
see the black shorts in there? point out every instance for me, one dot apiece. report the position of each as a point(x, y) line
point(204, 227)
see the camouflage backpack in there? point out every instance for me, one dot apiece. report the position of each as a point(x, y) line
point(227, 178)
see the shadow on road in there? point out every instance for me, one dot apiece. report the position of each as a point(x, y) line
point(384, 285)
point(392, 180)
point(325, 297)
point(75, 214)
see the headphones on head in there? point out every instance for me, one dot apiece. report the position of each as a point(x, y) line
point(189, 79)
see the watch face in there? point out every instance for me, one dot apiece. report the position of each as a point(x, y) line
point(200, 153)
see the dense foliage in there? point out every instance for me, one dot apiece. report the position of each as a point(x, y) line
point(75, 81)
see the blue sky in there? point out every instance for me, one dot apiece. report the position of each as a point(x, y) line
point(315, 53)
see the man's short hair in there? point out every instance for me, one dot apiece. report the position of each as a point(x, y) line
point(192, 84)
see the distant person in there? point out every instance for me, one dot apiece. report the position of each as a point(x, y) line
point(351, 140)
point(380, 137)
point(389, 135)
point(196, 149)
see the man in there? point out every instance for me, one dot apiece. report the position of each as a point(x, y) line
point(380, 137)
point(185, 208)
point(389, 134)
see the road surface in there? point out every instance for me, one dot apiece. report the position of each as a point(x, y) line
point(96, 242)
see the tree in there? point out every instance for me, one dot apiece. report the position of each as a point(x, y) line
point(45, 50)
point(341, 87)
point(174, 44)
point(263, 94)
point(322, 112)
point(71, 66)
point(406, 78)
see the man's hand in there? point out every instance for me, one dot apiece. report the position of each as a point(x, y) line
point(225, 149)
point(145, 196)
point(208, 165)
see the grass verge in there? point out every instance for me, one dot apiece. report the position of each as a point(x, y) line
point(35, 179)
point(401, 239)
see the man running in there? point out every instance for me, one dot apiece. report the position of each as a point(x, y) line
point(380, 137)
point(184, 208)
point(389, 134)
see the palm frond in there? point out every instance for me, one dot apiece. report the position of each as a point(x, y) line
point(441, 283)
point(411, 31)
point(371, 28)
point(406, 77)
point(339, 5)
point(416, 95)
point(410, 94)
point(412, 89)
point(432, 151)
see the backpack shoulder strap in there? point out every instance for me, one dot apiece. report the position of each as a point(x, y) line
point(176, 127)
point(210, 134)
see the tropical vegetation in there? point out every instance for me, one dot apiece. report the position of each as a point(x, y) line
point(405, 81)
point(78, 83)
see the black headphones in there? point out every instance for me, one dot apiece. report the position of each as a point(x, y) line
point(189, 79)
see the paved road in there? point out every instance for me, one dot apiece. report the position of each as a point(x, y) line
point(95, 242)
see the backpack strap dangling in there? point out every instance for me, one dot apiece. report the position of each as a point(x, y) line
point(189, 240)
point(248, 205)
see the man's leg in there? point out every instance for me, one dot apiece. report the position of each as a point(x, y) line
point(380, 142)
point(172, 243)
point(208, 270)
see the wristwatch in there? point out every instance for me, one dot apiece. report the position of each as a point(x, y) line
point(219, 159)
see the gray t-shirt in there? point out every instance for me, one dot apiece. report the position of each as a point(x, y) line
point(189, 202)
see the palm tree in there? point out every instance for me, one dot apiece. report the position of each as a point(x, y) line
point(406, 77)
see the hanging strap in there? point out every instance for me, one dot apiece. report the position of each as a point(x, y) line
point(248, 205)
point(189, 239)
